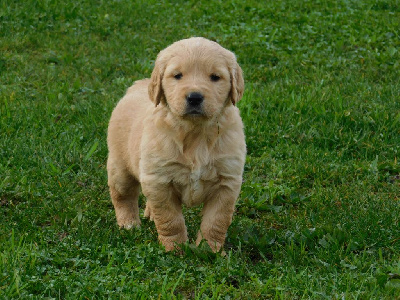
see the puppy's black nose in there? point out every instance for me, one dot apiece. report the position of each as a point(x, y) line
point(194, 99)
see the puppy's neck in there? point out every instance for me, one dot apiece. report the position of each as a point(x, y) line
point(195, 138)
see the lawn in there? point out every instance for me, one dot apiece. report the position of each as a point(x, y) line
point(318, 215)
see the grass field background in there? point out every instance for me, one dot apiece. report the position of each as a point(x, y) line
point(318, 215)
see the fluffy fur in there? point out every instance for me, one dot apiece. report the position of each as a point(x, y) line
point(176, 151)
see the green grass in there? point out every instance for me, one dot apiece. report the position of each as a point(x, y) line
point(318, 216)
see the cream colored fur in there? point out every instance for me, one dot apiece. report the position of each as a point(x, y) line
point(178, 158)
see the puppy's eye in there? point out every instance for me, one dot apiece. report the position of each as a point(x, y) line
point(214, 77)
point(178, 76)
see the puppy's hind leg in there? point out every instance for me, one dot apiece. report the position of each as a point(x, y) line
point(147, 212)
point(124, 191)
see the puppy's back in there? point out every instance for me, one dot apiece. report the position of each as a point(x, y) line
point(126, 124)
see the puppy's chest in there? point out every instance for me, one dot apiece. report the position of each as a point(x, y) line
point(195, 184)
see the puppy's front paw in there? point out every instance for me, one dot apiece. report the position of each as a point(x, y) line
point(173, 244)
point(216, 246)
point(128, 223)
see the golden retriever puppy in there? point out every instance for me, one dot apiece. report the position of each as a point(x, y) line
point(179, 136)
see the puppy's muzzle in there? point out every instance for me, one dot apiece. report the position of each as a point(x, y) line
point(194, 101)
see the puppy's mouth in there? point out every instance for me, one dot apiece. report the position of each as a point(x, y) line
point(194, 112)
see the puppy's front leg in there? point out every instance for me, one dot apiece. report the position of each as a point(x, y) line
point(165, 209)
point(217, 216)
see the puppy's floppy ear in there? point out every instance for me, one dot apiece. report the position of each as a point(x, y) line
point(156, 92)
point(237, 83)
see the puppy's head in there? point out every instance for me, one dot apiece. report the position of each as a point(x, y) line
point(196, 78)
